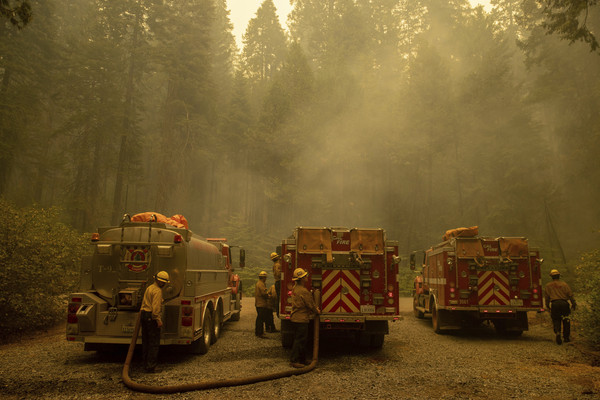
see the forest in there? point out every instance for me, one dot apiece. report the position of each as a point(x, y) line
point(416, 116)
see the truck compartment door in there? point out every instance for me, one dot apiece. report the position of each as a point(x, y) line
point(493, 288)
point(341, 291)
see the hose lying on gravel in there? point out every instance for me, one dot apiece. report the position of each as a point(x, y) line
point(140, 387)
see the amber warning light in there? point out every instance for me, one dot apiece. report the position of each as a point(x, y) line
point(95, 237)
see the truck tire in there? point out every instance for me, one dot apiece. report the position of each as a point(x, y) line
point(417, 313)
point(217, 324)
point(202, 345)
point(377, 340)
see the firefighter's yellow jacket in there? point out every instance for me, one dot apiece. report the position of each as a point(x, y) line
point(303, 305)
point(261, 298)
point(152, 301)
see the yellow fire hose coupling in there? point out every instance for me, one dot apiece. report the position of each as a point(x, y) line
point(140, 387)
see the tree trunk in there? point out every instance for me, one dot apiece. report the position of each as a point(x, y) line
point(117, 208)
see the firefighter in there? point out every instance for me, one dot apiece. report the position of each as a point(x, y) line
point(270, 323)
point(303, 310)
point(152, 320)
point(261, 301)
point(558, 294)
point(277, 276)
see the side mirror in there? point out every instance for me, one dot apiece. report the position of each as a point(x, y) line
point(413, 261)
point(242, 258)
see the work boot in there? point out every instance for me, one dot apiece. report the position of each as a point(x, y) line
point(558, 339)
point(566, 339)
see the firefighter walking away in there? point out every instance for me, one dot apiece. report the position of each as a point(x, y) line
point(558, 294)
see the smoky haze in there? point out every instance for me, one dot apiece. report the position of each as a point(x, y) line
point(416, 117)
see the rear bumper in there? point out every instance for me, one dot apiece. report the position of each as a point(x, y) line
point(491, 309)
point(358, 318)
point(124, 340)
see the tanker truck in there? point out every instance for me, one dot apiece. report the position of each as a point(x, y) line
point(203, 292)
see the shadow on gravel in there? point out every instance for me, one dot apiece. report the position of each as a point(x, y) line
point(484, 332)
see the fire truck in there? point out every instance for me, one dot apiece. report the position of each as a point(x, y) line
point(468, 279)
point(202, 294)
point(355, 271)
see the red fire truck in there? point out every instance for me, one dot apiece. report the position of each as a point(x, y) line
point(468, 279)
point(356, 272)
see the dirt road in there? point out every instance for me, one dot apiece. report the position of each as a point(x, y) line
point(414, 363)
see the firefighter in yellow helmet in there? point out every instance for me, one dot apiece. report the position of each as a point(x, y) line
point(558, 294)
point(151, 317)
point(277, 276)
point(261, 301)
point(303, 310)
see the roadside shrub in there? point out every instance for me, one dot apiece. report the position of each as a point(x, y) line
point(39, 266)
point(587, 296)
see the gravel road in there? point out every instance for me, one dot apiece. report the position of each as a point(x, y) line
point(414, 363)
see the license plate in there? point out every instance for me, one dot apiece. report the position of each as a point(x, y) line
point(516, 302)
point(127, 329)
point(368, 309)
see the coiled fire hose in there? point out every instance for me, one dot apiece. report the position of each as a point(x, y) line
point(188, 387)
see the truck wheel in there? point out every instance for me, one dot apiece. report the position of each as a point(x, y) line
point(418, 314)
point(436, 319)
point(377, 340)
point(201, 345)
point(217, 324)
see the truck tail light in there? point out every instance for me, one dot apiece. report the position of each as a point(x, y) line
point(187, 311)
point(186, 321)
point(177, 239)
point(72, 309)
point(95, 237)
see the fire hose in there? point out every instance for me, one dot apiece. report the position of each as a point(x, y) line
point(188, 387)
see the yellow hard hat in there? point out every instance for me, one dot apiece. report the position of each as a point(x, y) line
point(299, 273)
point(274, 256)
point(554, 272)
point(262, 273)
point(162, 276)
